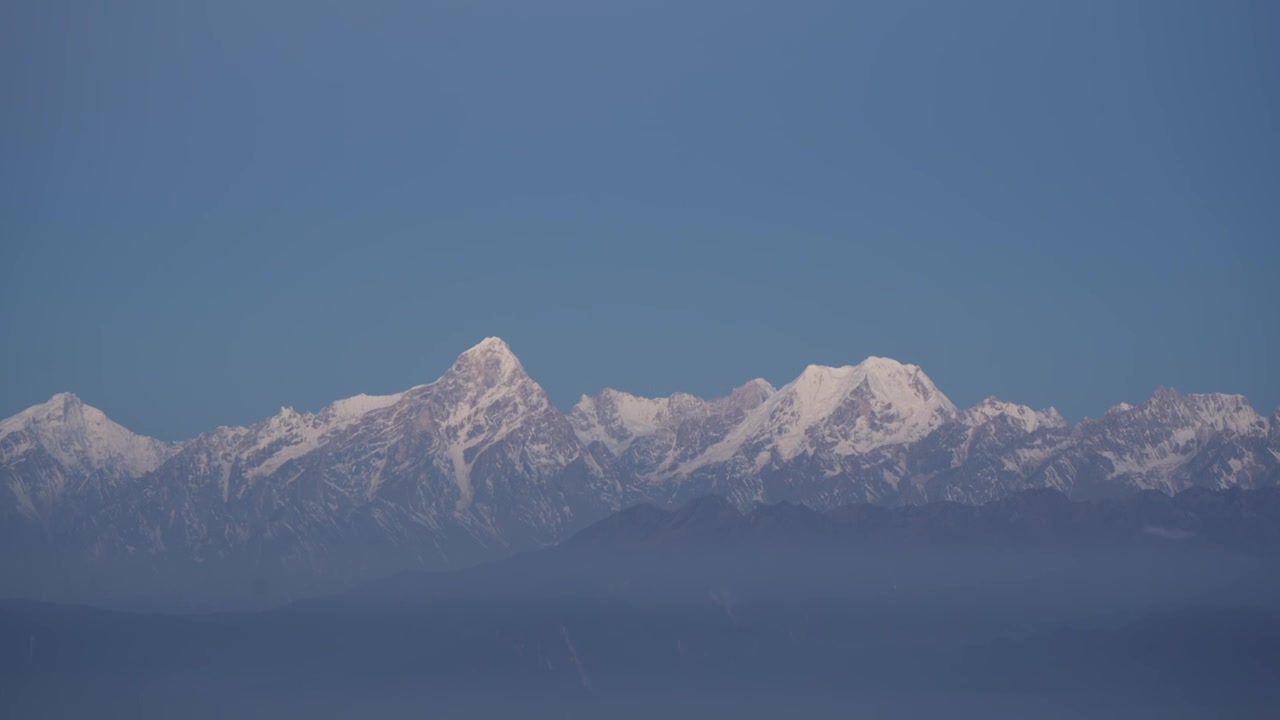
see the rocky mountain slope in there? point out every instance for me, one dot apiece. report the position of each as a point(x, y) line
point(480, 463)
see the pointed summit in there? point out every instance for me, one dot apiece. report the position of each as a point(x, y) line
point(80, 438)
point(489, 362)
point(751, 394)
point(62, 400)
point(58, 406)
point(62, 408)
point(491, 344)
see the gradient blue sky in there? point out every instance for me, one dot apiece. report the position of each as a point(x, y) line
point(210, 212)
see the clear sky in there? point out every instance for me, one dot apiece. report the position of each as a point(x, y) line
point(209, 212)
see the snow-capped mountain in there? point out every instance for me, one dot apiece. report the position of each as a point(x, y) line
point(1018, 417)
point(480, 462)
point(62, 449)
point(832, 435)
point(643, 441)
point(881, 431)
point(1171, 442)
point(475, 464)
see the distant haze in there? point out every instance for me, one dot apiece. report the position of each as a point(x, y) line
point(207, 213)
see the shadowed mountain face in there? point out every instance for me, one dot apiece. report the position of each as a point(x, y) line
point(1033, 606)
point(480, 463)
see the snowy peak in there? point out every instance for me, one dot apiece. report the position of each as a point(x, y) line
point(617, 419)
point(483, 399)
point(1224, 413)
point(489, 363)
point(487, 377)
point(491, 423)
point(904, 387)
point(855, 408)
point(751, 394)
point(833, 412)
point(1026, 419)
point(59, 409)
point(81, 438)
point(1212, 412)
point(1172, 442)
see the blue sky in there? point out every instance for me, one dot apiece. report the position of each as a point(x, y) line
point(208, 212)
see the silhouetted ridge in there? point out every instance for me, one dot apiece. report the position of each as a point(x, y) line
point(707, 513)
point(631, 525)
point(1244, 519)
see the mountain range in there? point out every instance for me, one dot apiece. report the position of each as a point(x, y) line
point(480, 463)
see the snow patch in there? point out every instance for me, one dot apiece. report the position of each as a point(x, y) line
point(302, 434)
